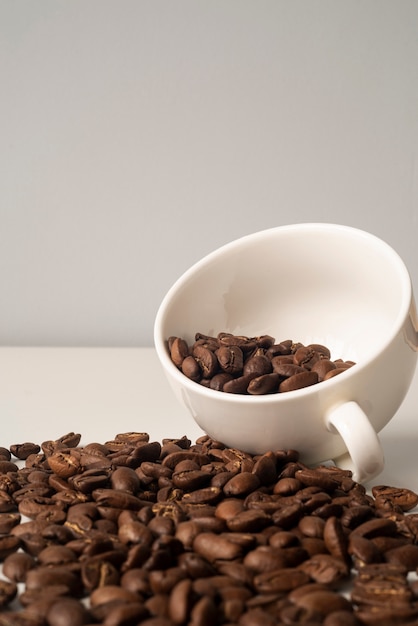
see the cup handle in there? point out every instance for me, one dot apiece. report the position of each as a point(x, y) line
point(365, 455)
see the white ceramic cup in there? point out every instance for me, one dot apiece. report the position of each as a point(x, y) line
point(312, 283)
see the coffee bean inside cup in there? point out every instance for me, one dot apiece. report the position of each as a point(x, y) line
point(253, 365)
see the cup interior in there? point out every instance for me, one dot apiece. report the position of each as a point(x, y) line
point(313, 283)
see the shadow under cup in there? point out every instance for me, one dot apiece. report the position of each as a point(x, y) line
point(311, 283)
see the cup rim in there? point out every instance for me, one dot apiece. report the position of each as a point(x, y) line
point(160, 342)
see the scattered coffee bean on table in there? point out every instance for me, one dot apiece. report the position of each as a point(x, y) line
point(133, 531)
point(253, 365)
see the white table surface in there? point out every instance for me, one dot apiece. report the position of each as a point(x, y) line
point(99, 392)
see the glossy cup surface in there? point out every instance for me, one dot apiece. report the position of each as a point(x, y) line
point(312, 283)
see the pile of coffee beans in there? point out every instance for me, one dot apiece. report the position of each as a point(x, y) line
point(253, 365)
point(134, 531)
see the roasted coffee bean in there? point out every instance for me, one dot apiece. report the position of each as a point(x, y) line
point(213, 547)
point(97, 571)
point(405, 499)
point(189, 480)
point(324, 568)
point(8, 466)
point(230, 359)
point(298, 381)
point(5, 454)
point(45, 576)
point(241, 484)
point(126, 613)
point(179, 350)
point(237, 385)
point(8, 521)
point(253, 365)
point(190, 368)
point(105, 594)
point(363, 550)
point(217, 534)
point(117, 499)
point(267, 383)
point(245, 343)
point(376, 527)
point(64, 463)
point(306, 356)
point(8, 591)
point(218, 381)
point(205, 495)
point(125, 479)
point(323, 602)
point(23, 450)
point(335, 538)
point(206, 360)
point(56, 555)
point(257, 365)
point(249, 521)
point(322, 367)
point(311, 526)
point(406, 556)
point(334, 372)
point(16, 566)
point(286, 369)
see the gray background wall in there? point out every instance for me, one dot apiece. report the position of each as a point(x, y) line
point(137, 136)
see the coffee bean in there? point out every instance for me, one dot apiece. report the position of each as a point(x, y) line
point(8, 466)
point(253, 365)
point(105, 594)
point(8, 521)
point(406, 555)
point(322, 367)
point(23, 450)
point(218, 381)
point(237, 385)
point(213, 547)
point(16, 566)
point(67, 612)
point(298, 381)
point(45, 576)
point(257, 365)
point(190, 368)
point(230, 359)
point(249, 521)
point(64, 463)
point(179, 350)
point(8, 591)
point(324, 568)
point(206, 360)
point(267, 383)
point(401, 497)
point(241, 484)
point(363, 550)
point(201, 534)
point(323, 602)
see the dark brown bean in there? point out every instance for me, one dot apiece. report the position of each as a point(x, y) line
point(404, 498)
point(206, 360)
point(213, 547)
point(267, 383)
point(298, 381)
point(67, 612)
point(257, 365)
point(17, 564)
point(179, 350)
point(230, 359)
point(190, 368)
point(218, 534)
point(23, 450)
point(8, 591)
